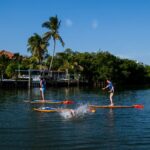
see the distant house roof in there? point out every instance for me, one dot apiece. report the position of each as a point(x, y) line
point(7, 53)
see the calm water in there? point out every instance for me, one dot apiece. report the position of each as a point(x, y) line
point(21, 128)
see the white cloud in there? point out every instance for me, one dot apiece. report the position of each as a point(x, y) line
point(95, 24)
point(68, 23)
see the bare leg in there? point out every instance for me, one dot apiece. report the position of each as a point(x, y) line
point(42, 94)
point(111, 100)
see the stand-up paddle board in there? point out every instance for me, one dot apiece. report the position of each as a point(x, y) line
point(50, 109)
point(117, 106)
point(50, 102)
point(46, 109)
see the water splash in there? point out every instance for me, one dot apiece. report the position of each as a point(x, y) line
point(77, 113)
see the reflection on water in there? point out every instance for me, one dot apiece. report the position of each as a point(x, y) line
point(115, 129)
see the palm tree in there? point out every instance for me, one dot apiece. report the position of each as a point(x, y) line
point(37, 46)
point(53, 25)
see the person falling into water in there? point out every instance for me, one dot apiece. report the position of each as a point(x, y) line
point(111, 91)
point(42, 87)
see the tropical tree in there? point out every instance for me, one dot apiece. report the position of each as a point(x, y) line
point(10, 70)
point(4, 61)
point(53, 25)
point(17, 59)
point(38, 47)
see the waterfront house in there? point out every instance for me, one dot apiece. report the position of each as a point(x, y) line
point(6, 53)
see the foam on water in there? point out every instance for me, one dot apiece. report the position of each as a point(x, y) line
point(79, 112)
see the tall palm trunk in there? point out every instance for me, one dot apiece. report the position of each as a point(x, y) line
point(52, 55)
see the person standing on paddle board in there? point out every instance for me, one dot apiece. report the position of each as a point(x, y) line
point(111, 91)
point(42, 87)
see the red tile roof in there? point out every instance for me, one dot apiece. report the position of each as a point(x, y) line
point(7, 53)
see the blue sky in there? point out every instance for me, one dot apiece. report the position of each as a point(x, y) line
point(121, 27)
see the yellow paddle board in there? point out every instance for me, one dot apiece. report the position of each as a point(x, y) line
point(117, 106)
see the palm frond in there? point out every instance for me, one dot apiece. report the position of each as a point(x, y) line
point(47, 36)
point(46, 25)
point(61, 40)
